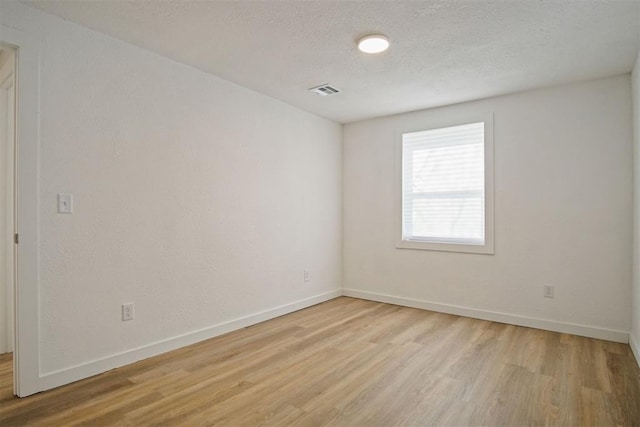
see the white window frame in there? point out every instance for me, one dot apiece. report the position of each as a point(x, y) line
point(426, 125)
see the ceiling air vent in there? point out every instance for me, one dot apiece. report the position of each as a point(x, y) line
point(324, 90)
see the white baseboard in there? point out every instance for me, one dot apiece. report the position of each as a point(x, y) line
point(635, 347)
point(85, 370)
point(514, 319)
point(68, 375)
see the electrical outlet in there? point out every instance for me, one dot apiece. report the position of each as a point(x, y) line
point(65, 203)
point(307, 276)
point(548, 291)
point(127, 312)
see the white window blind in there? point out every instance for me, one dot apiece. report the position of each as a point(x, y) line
point(443, 185)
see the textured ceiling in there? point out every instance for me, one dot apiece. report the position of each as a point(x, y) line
point(442, 52)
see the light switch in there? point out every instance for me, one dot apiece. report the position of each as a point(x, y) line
point(65, 203)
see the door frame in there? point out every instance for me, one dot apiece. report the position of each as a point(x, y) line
point(7, 97)
point(26, 355)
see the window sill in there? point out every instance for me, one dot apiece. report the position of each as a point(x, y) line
point(486, 249)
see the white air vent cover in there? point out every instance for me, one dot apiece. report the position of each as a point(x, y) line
point(324, 90)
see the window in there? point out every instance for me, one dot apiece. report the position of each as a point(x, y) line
point(447, 188)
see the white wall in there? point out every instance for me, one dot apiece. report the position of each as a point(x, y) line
point(563, 185)
point(196, 199)
point(635, 322)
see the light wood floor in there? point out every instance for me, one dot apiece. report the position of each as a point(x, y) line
point(350, 362)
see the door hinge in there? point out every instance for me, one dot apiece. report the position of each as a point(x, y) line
point(16, 238)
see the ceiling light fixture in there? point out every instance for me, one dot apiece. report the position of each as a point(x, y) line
point(374, 43)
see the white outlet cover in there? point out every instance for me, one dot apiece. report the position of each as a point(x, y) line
point(65, 203)
point(549, 291)
point(127, 312)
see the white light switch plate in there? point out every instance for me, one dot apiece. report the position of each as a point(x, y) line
point(65, 203)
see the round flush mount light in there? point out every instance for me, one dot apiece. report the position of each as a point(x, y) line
point(374, 43)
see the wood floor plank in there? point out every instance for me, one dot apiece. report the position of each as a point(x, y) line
point(351, 362)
